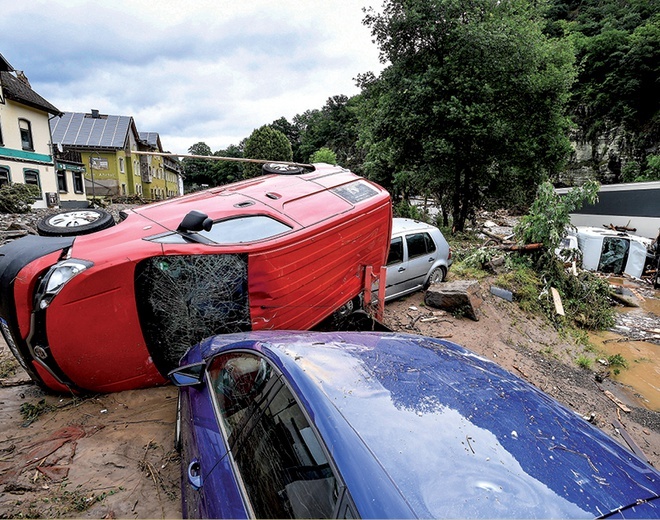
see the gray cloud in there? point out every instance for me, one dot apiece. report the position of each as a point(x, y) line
point(203, 70)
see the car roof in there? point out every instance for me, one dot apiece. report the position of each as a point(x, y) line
point(404, 225)
point(453, 433)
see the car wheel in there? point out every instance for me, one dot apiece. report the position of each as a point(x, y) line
point(72, 223)
point(437, 275)
point(281, 169)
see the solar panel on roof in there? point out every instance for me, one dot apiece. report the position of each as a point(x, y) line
point(96, 132)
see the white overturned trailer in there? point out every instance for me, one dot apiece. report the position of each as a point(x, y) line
point(634, 205)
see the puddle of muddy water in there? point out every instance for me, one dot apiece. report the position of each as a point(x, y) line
point(643, 372)
point(643, 357)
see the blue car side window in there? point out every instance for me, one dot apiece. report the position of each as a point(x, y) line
point(279, 458)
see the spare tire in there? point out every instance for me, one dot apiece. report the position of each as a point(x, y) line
point(73, 223)
point(281, 169)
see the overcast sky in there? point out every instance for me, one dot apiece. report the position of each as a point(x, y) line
point(191, 70)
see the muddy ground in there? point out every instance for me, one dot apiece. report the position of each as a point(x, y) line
point(112, 456)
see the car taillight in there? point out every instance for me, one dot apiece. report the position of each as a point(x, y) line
point(56, 278)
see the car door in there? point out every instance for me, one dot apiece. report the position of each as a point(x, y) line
point(420, 250)
point(209, 487)
point(283, 466)
point(397, 276)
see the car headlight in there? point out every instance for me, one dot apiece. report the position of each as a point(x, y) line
point(56, 278)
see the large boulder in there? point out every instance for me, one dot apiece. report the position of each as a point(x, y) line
point(459, 297)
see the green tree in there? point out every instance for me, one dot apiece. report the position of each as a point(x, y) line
point(198, 171)
point(323, 155)
point(265, 143)
point(225, 172)
point(472, 103)
point(549, 216)
point(618, 53)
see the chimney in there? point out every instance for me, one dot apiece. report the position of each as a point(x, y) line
point(22, 77)
point(95, 113)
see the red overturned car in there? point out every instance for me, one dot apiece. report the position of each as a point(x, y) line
point(115, 307)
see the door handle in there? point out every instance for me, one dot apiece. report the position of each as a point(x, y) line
point(401, 269)
point(431, 259)
point(195, 474)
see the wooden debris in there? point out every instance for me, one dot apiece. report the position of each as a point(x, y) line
point(516, 247)
point(619, 228)
point(495, 237)
point(629, 440)
point(556, 298)
point(616, 401)
point(521, 371)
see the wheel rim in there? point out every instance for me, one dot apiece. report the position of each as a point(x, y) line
point(74, 219)
point(437, 275)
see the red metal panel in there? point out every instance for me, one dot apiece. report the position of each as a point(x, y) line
point(24, 287)
point(297, 285)
point(95, 334)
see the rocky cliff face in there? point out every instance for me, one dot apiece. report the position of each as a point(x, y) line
point(598, 158)
point(603, 157)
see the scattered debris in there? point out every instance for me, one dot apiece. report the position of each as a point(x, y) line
point(556, 298)
point(616, 401)
point(631, 443)
point(502, 293)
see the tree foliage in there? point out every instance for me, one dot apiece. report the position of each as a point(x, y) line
point(17, 198)
point(618, 55)
point(324, 155)
point(549, 216)
point(265, 143)
point(474, 94)
point(198, 171)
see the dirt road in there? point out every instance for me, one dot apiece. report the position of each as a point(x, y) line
point(112, 456)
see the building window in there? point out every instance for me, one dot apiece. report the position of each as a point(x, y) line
point(123, 189)
point(26, 134)
point(5, 178)
point(121, 164)
point(61, 181)
point(32, 179)
point(78, 183)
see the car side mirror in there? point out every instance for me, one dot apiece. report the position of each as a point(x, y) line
point(195, 221)
point(189, 375)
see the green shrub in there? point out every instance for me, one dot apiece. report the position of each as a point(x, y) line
point(323, 155)
point(17, 198)
point(584, 362)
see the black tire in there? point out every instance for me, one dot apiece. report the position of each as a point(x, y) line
point(74, 223)
point(436, 276)
point(281, 169)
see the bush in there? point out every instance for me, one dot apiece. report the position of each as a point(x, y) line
point(324, 155)
point(17, 198)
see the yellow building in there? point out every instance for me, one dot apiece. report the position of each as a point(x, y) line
point(108, 145)
point(25, 141)
point(162, 173)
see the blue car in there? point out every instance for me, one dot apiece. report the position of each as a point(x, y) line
point(277, 424)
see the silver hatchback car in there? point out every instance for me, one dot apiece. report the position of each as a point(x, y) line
point(419, 256)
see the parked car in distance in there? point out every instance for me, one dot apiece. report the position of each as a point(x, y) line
point(419, 256)
point(277, 424)
point(106, 307)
